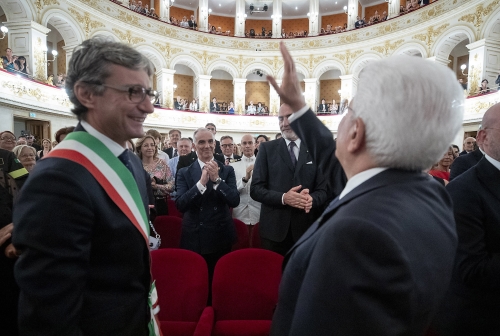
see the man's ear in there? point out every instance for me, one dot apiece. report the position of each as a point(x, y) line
point(84, 95)
point(356, 136)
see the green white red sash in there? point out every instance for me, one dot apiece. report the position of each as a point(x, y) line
point(119, 184)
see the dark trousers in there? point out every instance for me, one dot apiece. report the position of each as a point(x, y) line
point(281, 247)
point(211, 259)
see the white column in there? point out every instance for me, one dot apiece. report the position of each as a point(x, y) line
point(348, 85)
point(203, 19)
point(239, 95)
point(314, 22)
point(274, 99)
point(352, 13)
point(165, 87)
point(69, 53)
point(393, 8)
point(484, 63)
point(203, 82)
point(277, 18)
point(311, 94)
point(439, 59)
point(164, 10)
point(28, 38)
point(239, 22)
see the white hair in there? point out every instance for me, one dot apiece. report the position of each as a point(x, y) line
point(412, 109)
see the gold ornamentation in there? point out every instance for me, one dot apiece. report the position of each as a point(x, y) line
point(20, 90)
point(428, 38)
point(432, 12)
point(40, 65)
point(85, 21)
point(91, 3)
point(204, 58)
point(127, 36)
point(166, 31)
point(349, 38)
point(387, 47)
point(240, 62)
point(310, 62)
point(39, 4)
point(130, 18)
point(348, 56)
point(388, 27)
point(275, 63)
point(168, 51)
point(474, 75)
point(477, 18)
point(480, 107)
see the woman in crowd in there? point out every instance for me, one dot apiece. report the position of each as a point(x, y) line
point(376, 17)
point(50, 80)
point(265, 110)
point(184, 23)
point(230, 108)
point(61, 134)
point(7, 140)
point(260, 139)
point(484, 87)
point(47, 147)
point(442, 170)
point(162, 180)
point(26, 155)
point(259, 107)
point(9, 61)
point(193, 106)
point(334, 108)
point(23, 67)
point(152, 13)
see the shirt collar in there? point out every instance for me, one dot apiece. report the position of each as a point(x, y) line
point(248, 159)
point(297, 142)
point(113, 146)
point(359, 179)
point(202, 164)
point(493, 161)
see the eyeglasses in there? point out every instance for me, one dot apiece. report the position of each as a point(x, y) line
point(11, 139)
point(136, 93)
point(27, 155)
point(227, 145)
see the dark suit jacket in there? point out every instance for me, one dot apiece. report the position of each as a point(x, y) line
point(462, 163)
point(375, 263)
point(207, 225)
point(464, 152)
point(192, 24)
point(274, 175)
point(84, 269)
point(321, 107)
point(214, 108)
point(319, 140)
point(474, 296)
point(217, 150)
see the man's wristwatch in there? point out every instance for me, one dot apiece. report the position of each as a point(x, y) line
point(244, 179)
point(218, 180)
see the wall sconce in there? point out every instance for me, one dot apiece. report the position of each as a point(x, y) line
point(204, 14)
point(175, 87)
point(345, 9)
point(276, 19)
point(463, 67)
point(171, 3)
point(241, 18)
point(388, 1)
point(54, 55)
point(4, 30)
point(313, 17)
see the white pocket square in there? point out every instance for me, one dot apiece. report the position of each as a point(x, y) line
point(310, 162)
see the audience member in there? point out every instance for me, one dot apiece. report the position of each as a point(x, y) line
point(260, 139)
point(184, 23)
point(83, 250)
point(7, 140)
point(162, 180)
point(214, 106)
point(47, 147)
point(62, 133)
point(278, 136)
point(21, 140)
point(251, 108)
point(456, 150)
point(26, 155)
point(249, 210)
point(227, 145)
point(61, 79)
point(9, 61)
point(205, 192)
point(471, 306)
point(23, 66)
point(193, 106)
point(290, 187)
point(384, 16)
point(468, 145)
point(212, 128)
point(323, 107)
point(483, 89)
point(157, 138)
point(375, 261)
point(152, 13)
point(192, 23)
point(334, 108)
point(174, 135)
point(50, 80)
point(464, 85)
point(343, 106)
point(442, 168)
point(184, 146)
point(259, 108)
point(230, 109)
point(464, 162)
point(30, 141)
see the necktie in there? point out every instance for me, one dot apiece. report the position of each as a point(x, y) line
point(292, 154)
point(175, 152)
point(125, 159)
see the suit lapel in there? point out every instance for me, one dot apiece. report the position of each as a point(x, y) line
point(489, 175)
point(194, 172)
point(283, 151)
point(303, 155)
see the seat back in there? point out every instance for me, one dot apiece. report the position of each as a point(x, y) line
point(169, 228)
point(245, 285)
point(172, 209)
point(182, 283)
point(242, 233)
point(255, 237)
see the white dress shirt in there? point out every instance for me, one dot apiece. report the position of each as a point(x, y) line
point(162, 155)
point(249, 210)
point(113, 146)
point(359, 179)
point(251, 109)
point(200, 186)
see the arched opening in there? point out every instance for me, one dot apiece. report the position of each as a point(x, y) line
point(55, 65)
point(4, 43)
point(459, 56)
point(256, 91)
point(185, 89)
point(222, 88)
point(329, 90)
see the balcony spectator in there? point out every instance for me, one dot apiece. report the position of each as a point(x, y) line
point(213, 30)
point(359, 23)
point(483, 89)
point(343, 106)
point(22, 66)
point(192, 23)
point(328, 29)
point(384, 16)
point(145, 10)
point(265, 110)
point(263, 31)
point(132, 5)
point(230, 109)
point(259, 108)
point(333, 108)
point(283, 33)
point(252, 33)
point(152, 13)
point(269, 33)
point(402, 10)
point(138, 7)
point(61, 80)
point(9, 61)
point(193, 106)
point(7, 140)
point(50, 80)
point(214, 106)
point(376, 17)
point(26, 155)
point(322, 108)
point(251, 108)
point(174, 21)
point(344, 29)
point(184, 23)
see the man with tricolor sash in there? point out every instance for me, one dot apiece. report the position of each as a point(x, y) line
point(82, 222)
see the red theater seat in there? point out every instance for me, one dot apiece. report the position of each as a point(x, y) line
point(245, 292)
point(255, 237)
point(172, 209)
point(182, 283)
point(242, 233)
point(169, 228)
